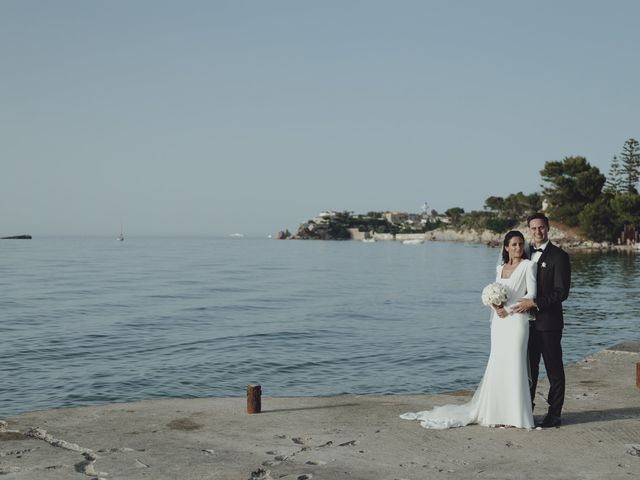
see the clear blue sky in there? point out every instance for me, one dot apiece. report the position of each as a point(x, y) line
point(214, 117)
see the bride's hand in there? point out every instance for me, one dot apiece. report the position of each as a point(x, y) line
point(501, 311)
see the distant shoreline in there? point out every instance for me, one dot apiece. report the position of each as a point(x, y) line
point(489, 238)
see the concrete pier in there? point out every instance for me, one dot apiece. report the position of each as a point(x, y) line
point(343, 437)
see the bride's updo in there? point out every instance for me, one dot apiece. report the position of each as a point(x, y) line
point(505, 243)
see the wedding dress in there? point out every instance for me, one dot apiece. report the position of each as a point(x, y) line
point(502, 397)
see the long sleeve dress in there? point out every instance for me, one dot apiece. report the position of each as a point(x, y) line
point(502, 397)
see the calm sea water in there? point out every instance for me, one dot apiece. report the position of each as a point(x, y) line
point(91, 320)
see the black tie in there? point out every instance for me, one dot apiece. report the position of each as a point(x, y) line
point(536, 250)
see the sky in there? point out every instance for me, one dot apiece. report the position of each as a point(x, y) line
point(217, 117)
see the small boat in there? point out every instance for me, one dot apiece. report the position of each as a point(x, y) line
point(369, 240)
point(236, 235)
point(414, 241)
point(120, 237)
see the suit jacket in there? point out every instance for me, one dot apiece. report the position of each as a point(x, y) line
point(553, 281)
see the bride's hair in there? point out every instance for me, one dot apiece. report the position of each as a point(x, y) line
point(507, 239)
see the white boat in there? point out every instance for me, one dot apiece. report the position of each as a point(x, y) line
point(369, 240)
point(236, 235)
point(414, 241)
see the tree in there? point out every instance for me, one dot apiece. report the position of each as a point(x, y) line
point(499, 225)
point(516, 206)
point(572, 184)
point(494, 203)
point(630, 165)
point(614, 179)
point(598, 221)
point(454, 213)
point(626, 207)
point(605, 218)
point(343, 216)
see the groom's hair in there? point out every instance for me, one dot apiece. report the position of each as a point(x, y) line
point(539, 216)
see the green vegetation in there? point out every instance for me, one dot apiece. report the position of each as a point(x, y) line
point(618, 205)
point(572, 184)
point(574, 193)
point(499, 214)
point(487, 221)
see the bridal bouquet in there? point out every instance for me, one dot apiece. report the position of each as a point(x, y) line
point(494, 294)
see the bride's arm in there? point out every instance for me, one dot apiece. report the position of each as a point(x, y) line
point(530, 279)
point(500, 311)
point(528, 302)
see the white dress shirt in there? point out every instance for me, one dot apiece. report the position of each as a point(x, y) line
point(536, 255)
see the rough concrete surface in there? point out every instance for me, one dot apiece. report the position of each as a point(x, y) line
point(343, 437)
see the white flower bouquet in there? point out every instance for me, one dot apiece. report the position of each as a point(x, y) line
point(495, 294)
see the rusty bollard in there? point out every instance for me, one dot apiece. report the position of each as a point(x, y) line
point(254, 403)
point(638, 374)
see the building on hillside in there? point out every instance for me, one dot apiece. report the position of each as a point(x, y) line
point(327, 214)
point(396, 218)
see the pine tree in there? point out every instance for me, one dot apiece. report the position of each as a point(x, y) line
point(614, 178)
point(572, 184)
point(630, 168)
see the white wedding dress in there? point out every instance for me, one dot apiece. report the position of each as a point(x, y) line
point(503, 397)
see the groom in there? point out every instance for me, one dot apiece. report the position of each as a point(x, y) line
point(545, 333)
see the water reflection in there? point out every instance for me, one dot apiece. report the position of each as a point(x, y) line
point(593, 269)
point(602, 308)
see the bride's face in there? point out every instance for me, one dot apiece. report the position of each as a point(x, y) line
point(515, 248)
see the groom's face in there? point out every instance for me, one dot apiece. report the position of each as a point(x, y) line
point(539, 231)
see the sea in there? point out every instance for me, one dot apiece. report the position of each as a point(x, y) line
point(89, 320)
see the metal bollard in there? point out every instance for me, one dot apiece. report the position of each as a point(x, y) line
point(254, 403)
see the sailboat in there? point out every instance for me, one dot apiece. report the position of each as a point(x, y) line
point(120, 237)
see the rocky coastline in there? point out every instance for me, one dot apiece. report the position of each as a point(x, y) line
point(562, 236)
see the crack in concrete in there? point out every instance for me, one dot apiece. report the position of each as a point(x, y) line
point(86, 466)
point(41, 434)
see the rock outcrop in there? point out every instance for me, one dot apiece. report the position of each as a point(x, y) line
point(17, 237)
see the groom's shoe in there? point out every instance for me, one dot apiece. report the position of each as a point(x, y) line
point(550, 421)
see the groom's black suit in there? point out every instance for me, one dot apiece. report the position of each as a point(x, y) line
point(553, 282)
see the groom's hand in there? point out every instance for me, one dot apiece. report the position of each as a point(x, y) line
point(524, 305)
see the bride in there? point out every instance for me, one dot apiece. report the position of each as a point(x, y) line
point(503, 397)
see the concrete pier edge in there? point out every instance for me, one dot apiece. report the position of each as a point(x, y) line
point(341, 437)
